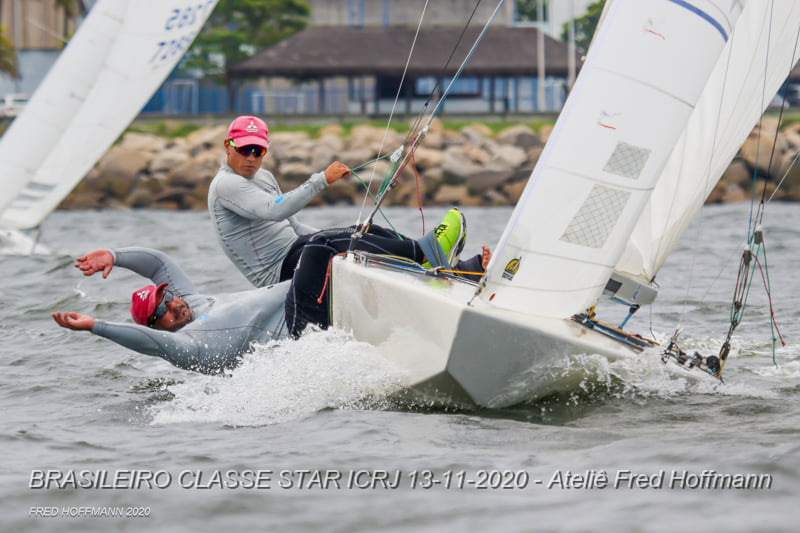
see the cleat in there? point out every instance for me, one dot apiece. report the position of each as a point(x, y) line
point(451, 235)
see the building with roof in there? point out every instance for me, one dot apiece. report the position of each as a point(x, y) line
point(359, 70)
point(353, 57)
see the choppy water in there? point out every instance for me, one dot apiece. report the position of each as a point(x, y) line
point(303, 438)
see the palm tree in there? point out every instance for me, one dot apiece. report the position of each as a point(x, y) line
point(8, 55)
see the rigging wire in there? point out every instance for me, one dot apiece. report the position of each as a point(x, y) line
point(402, 156)
point(396, 99)
point(437, 84)
point(464, 63)
point(755, 239)
point(755, 236)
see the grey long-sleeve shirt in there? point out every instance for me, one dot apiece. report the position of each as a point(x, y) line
point(254, 220)
point(224, 326)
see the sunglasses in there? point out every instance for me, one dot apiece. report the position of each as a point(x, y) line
point(256, 150)
point(161, 309)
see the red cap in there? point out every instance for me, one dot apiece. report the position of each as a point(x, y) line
point(249, 130)
point(143, 303)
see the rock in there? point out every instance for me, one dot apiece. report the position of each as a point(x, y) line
point(545, 131)
point(321, 156)
point(757, 151)
point(490, 176)
point(456, 166)
point(494, 198)
point(477, 154)
point(790, 170)
point(334, 130)
point(477, 134)
point(140, 198)
point(294, 172)
point(450, 194)
point(467, 167)
point(533, 155)
point(280, 143)
point(168, 159)
point(117, 171)
point(520, 136)
point(734, 193)
point(83, 200)
point(355, 157)
point(376, 140)
point(406, 193)
point(205, 139)
point(297, 152)
point(428, 157)
point(737, 173)
point(433, 139)
point(513, 191)
point(339, 193)
point(192, 173)
point(143, 142)
point(513, 156)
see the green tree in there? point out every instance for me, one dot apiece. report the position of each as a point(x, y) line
point(8, 56)
point(585, 26)
point(70, 7)
point(528, 10)
point(237, 29)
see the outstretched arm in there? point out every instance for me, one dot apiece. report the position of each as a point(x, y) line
point(181, 350)
point(74, 321)
point(250, 201)
point(96, 261)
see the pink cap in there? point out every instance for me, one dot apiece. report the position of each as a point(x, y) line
point(143, 303)
point(249, 130)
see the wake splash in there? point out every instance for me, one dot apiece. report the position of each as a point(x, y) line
point(594, 378)
point(286, 380)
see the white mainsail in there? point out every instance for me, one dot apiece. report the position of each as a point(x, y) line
point(646, 70)
point(121, 53)
point(736, 96)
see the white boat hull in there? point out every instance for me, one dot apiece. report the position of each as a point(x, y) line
point(13, 242)
point(454, 352)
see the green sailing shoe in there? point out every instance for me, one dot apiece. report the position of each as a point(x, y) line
point(450, 236)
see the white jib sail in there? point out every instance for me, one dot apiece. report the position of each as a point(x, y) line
point(109, 70)
point(644, 74)
point(757, 59)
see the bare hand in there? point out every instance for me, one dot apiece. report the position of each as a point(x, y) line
point(486, 256)
point(96, 261)
point(336, 171)
point(74, 321)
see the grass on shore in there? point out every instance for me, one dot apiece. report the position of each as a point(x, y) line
point(172, 129)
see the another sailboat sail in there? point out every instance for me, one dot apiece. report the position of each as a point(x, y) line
point(645, 72)
point(109, 70)
point(736, 96)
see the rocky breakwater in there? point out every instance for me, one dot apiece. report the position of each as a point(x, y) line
point(469, 166)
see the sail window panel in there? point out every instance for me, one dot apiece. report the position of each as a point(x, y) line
point(627, 160)
point(617, 132)
point(597, 217)
point(673, 47)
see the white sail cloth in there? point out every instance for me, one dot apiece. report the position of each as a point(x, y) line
point(121, 53)
point(737, 94)
point(644, 74)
